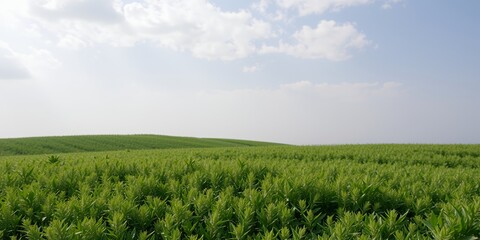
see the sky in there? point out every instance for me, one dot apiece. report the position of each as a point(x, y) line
point(302, 72)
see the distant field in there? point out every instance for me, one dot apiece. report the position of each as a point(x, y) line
point(268, 192)
point(66, 144)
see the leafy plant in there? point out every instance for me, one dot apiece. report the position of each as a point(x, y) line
point(272, 192)
point(53, 159)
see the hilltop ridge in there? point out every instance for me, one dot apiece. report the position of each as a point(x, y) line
point(91, 143)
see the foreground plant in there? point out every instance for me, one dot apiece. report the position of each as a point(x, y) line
point(342, 192)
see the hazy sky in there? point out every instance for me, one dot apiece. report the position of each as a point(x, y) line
point(292, 71)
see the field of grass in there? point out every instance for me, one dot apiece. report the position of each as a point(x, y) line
point(66, 144)
point(268, 192)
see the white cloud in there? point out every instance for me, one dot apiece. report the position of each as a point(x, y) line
point(306, 7)
point(251, 69)
point(345, 91)
point(197, 27)
point(15, 64)
point(71, 42)
point(39, 59)
point(87, 10)
point(328, 40)
point(10, 66)
point(389, 3)
point(10, 10)
point(261, 5)
point(302, 85)
point(264, 7)
point(194, 26)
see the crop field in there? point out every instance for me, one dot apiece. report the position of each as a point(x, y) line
point(66, 144)
point(265, 192)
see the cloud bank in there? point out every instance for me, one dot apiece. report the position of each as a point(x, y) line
point(195, 26)
point(328, 40)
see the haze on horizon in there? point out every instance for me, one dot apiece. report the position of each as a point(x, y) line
point(290, 71)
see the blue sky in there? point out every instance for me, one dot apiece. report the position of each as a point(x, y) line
point(292, 71)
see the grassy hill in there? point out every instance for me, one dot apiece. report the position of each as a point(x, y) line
point(93, 143)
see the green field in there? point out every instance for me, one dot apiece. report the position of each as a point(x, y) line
point(266, 192)
point(95, 143)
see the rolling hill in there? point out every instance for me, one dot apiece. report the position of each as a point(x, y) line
point(93, 143)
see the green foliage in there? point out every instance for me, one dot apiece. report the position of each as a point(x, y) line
point(70, 144)
point(53, 159)
point(270, 192)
